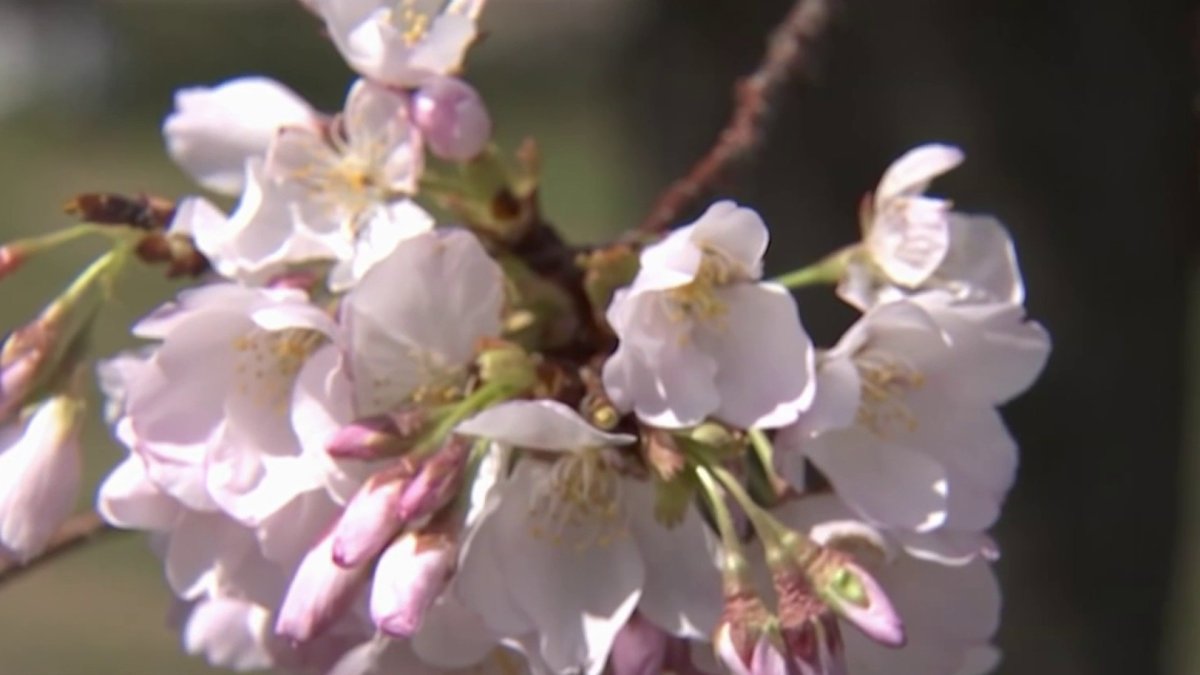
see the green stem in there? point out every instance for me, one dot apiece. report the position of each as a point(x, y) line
point(481, 398)
point(769, 530)
point(827, 270)
point(766, 455)
point(47, 241)
point(734, 572)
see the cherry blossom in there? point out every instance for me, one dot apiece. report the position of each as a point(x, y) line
point(700, 336)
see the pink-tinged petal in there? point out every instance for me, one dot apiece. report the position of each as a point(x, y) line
point(948, 547)
point(229, 633)
point(884, 482)
point(319, 594)
point(378, 130)
point(857, 597)
point(981, 263)
point(196, 547)
point(423, 308)
point(213, 131)
point(383, 229)
point(40, 474)
point(766, 374)
point(658, 370)
point(914, 170)
point(197, 214)
point(128, 499)
point(672, 262)
point(736, 233)
point(321, 405)
point(909, 239)
point(835, 406)
point(452, 636)
point(370, 520)
point(682, 590)
point(444, 46)
point(950, 616)
point(279, 538)
point(410, 576)
point(540, 425)
point(997, 352)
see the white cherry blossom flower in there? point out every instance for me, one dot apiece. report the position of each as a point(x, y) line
point(401, 43)
point(905, 426)
point(950, 612)
point(700, 336)
point(912, 241)
point(568, 547)
point(214, 130)
point(224, 440)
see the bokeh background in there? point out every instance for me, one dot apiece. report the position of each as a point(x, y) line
point(1078, 117)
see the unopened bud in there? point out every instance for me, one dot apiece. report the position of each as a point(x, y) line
point(808, 628)
point(320, 592)
point(410, 576)
point(12, 257)
point(744, 626)
point(370, 519)
point(39, 476)
point(453, 118)
point(640, 648)
point(378, 436)
point(857, 597)
point(436, 482)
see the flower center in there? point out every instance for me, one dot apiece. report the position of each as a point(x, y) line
point(267, 362)
point(698, 299)
point(885, 380)
point(579, 503)
point(412, 18)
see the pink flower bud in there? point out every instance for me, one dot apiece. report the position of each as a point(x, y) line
point(16, 381)
point(410, 576)
point(436, 482)
point(370, 519)
point(377, 436)
point(12, 257)
point(453, 118)
point(319, 594)
point(743, 627)
point(857, 597)
point(640, 648)
point(40, 470)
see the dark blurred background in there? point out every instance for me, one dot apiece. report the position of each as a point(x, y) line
point(1078, 118)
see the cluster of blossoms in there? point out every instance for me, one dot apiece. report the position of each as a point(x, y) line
point(367, 442)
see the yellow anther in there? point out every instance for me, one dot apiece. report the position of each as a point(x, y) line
point(885, 381)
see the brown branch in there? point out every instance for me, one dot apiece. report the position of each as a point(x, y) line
point(79, 529)
point(787, 51)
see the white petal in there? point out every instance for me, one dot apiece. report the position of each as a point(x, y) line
point(914, 170)
point(420, 311)
point(229, 633)
point(736, 233)
point(765, 376)
point(194, 214)
point(213, 131)
point(909, 240)
point(383, 230)
point(453, 636)
point(128, 499)
point(981, 263)
point(540, 425)
point(886, 483)
point(682, 591)
point(835, 406)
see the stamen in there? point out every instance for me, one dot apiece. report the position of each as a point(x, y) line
point(267, 363)
point(885, 380)
point(579, 503)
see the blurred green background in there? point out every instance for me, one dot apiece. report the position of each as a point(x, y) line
point(1077, 119)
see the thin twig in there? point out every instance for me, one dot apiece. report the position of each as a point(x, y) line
point(787, 50)
point(80, 529)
